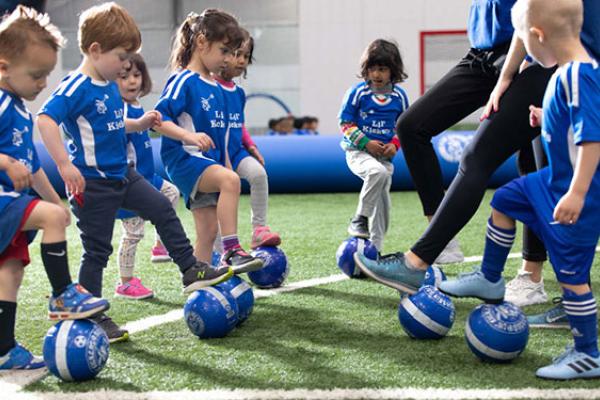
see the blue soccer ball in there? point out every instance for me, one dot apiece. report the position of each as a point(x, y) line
point(216, 259)
point(497, 333)
point(434, 276)
point(243, 295)
point(76, 350)
point(210, 313)
point(344, 255)
point(275, 269)
point(427, 314)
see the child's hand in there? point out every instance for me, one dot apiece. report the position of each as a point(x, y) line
point(256, 154)
point(569, 208)
point(72, 177)
point(389, 150)
point(150, 119)
point(200, 139)
point(535, 116)
point(375, 148)
point(19, 175)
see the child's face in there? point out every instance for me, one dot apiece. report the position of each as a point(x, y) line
point(379, 76)
point(216, 56)
point(238, 65)
point(27, 76)
point(111, 63)
point(130, 82)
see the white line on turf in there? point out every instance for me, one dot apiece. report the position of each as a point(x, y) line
point(334, 394)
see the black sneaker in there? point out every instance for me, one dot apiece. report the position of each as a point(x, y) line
point(241, 262)
point(359, 227)
point(113, 331)
point(203, 275)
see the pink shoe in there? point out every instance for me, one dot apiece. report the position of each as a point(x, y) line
point(133, 290)
point(160, 254)
point(263, 236)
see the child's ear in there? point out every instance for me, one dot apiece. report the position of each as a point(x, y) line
point(95, 49)
point(538, 33)
point(4, 64)
point(201, 42)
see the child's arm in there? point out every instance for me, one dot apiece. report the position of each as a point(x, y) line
point(569, 207)
point(150, 119)
point(17, 172)
point(52, 139)
point(360, 140)
point(251, 146)
point(44, 188)
point(172, 130)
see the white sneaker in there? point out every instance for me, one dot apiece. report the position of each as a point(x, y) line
point(451, 254)
point(522, 291)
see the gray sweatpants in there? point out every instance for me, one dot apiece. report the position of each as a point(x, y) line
point(252, 171)
point(374, 201)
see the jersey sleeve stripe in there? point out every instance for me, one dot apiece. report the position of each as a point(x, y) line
point(5, 104)
point(65, 83)
point(74, 86)
point(575, 83)
point(175, 83)
point(565, 84)
point(181, 82)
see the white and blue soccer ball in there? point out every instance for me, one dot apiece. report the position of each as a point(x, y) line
point(434, 276)
point(241, 291)
point(76, 350)
point(344, 255)
point(210, 313)
point(497, 333)
point(427, 314)
point(275, 270)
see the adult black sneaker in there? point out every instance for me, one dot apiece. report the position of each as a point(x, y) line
point(359, 227)
point(203, 275)
point(113, 331)
point(241, 262)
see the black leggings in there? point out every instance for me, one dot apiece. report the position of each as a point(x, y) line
point(462, 91)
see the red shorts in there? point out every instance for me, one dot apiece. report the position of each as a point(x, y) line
point(18, 249)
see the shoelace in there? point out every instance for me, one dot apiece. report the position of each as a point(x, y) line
point(465, 275)
point(390, 258)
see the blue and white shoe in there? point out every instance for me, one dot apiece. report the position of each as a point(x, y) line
point(554, 318)
point(392, 271)
point(474, 284)
point(20, 358)
point(571, 364)
point(75, 303)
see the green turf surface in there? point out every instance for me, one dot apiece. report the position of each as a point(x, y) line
point(344, 334)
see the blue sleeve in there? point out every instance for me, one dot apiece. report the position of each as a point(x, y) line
point(59, 107)
point(349, 108)
point(171, 105)
point(584, 106)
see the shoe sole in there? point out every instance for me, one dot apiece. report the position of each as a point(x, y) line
point(250, 266)
point(269, 242)
point(61, 316)
point(358, 234)
point(392, 284)
point(123, 338)
point(548, 326)
point(211, 282)
point(124, 296)
point(566, 379)
point(160, 259)
point(487, 301)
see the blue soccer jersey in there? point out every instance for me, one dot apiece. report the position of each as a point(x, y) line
point(139, 149)
point(197, 105)
point(16, 141)
point(490, 23)
point(571, 118)
point(91, 115)
point(235, 97)
point(374, 114)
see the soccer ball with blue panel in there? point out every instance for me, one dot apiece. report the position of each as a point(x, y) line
point(427, 314)
point(275, 269)
point(344, 255)
point(243, 295)
point(210, 313)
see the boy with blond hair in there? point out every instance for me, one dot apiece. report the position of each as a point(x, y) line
point(89, 108)
point(28, 47)
point(561, 203)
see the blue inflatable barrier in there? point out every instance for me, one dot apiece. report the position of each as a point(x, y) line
point(313, 164)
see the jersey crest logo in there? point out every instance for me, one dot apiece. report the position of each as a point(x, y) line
point(17, 139)
point(381, 99)
point(206, 102)
point(363, 115)
point(26, 163)
point(101, 105)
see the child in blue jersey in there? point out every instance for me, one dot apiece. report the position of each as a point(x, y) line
point(560, 203)
point(238, 157)
point(134, 82)
point(28, 51)
point(88, 107)
point(368, 120)
point(195, 133)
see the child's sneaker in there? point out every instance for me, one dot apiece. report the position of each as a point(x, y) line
point(203, 275)
point(554, 318)
point(474, 284)
point(112, 330)
point(262, 236)
point(359, 227)
point(159, 254)
point(133, 289)
point(241, 262)
point(523, 291)
point(20, 358)
point(571, 364)
point(75, 303)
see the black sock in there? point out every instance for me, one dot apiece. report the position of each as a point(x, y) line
point(8, 312)
point(54, 257)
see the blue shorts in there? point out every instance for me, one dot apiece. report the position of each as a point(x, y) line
point(186, 172)
point(571, 262)
point(11, 221)
point(238, 157)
